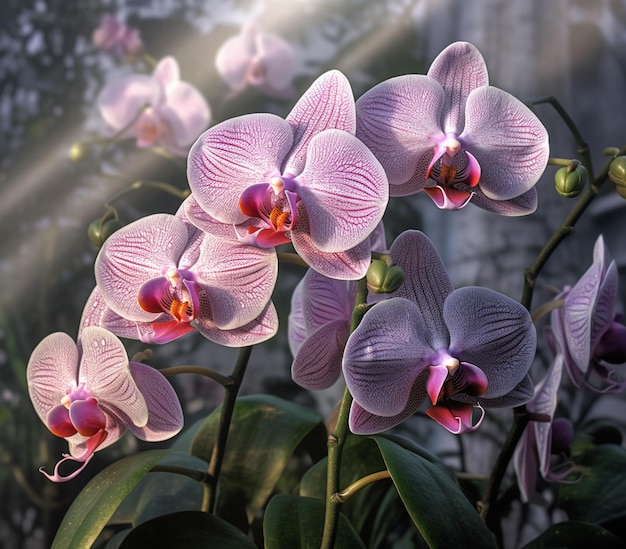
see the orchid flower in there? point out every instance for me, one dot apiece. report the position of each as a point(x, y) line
point(450, 134)
point(461, 349)
point(319, 323)
point(259, 59)
point(587, 329)
point(305, 180)
point(90, 394)
point(543, 436)
point(117, 38)
point(168, 278)
point(156, 110)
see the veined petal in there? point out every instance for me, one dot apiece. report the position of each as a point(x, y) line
point(104, 367)
point(326, 299)
point(526, 463)
point(142, 250)
point(460, 69)
point(327, 104)
point(187, 114)
point(165, 415)
point(231, 156)
point(524, 204)
point(520, 394)
point(344, 189)
point(256, 331)
point(493, 332)
point(196, 215)
point(296, 328)
point(52, 370)
point(317, 364)
point(426, 282)
point(385, 355)
point(508, 140)
point(399, 121)
point(350, 264)
point(238, 280)
point(362, 422)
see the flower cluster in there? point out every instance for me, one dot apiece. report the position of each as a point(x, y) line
point(117, 38)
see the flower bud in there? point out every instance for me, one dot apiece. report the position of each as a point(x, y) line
point(383, 278)
point(617, 174)
point(562, 435)
point(101, 229)
point(570, 181)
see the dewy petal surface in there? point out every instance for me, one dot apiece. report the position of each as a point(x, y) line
point(344, 189)
point(327, 104)
point(233, 155)
point(493, 332)
point(460, 69)
point(399, 121)
point(385, 355)
point(508, 140)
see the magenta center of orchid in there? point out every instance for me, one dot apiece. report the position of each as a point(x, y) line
point(272, 209)
point(78, 412)
point(257, 72)
point(149, 128)
point(176, 294)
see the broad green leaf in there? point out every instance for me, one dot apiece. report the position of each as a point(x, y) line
point(434, 500)
point(296, 523)
point(600, 495)
point(96, 503)
point(264, 434)
point(575, 535)
point(360, 457)
point(188, 530)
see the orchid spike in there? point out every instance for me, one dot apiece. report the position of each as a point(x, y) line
point(534, 450)
point(157, 109)
point(256, 58)
point(462, 350)
point(587, 329)
point(117, 38)
point(167, 278)
point(306, 180)
point(450, 134)
point(90, 394)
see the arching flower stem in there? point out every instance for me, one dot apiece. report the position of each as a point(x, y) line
point(224, 381)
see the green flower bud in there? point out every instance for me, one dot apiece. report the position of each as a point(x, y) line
point(99, 230)
point(570, 181)
point(617, 174)
point(383, 278)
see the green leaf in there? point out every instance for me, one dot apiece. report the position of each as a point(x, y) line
point(600, 495)
point(188, 529)
point(575, 535)
point(297, 523)
point(91, 510)
point(434, 500)
point(265, 432)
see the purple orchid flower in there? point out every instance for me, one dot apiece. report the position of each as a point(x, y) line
point(90, 394)
point(587, 329)
point(259, 59)
point(305, 180)
point(544, 436)
point(464, 348)
point(117, 38)
point(165, 278)
point(157, 110)
point(489, 148)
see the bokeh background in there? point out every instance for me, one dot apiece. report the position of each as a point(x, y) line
point(50, 76)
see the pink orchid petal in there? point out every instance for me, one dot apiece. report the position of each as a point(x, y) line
point(362, 422)
point(351, 264)
point(508, 141)
point(381, 366)
point(485, 327)
point(92, 445)
point(164, 331)
point(448, 198)
point(278, 59)
point(234, 155)
point(325, 300)
point(52, 370)
point(258, 330)
point(296, 324)
point(523, 204)
point(104, 364)
point(59, 423)
point(399, 120)
point(519, 395)
point(87, 417)
point(455, 417)
point(526, 464)
point(426, 282)
point(437, 374)
point(234, 56)
point(167, 72)
point(165, 415)
point(205, 222)
point(460, 69)
point(327, 104)
point(344, 189)
point(317, 364)
point(238, 280)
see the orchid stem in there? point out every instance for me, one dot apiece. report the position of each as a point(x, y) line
point(224, 381)
point(294, 259)
point(337, 438)
point(226, 415)
point(489, 508)
point(347, 493)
